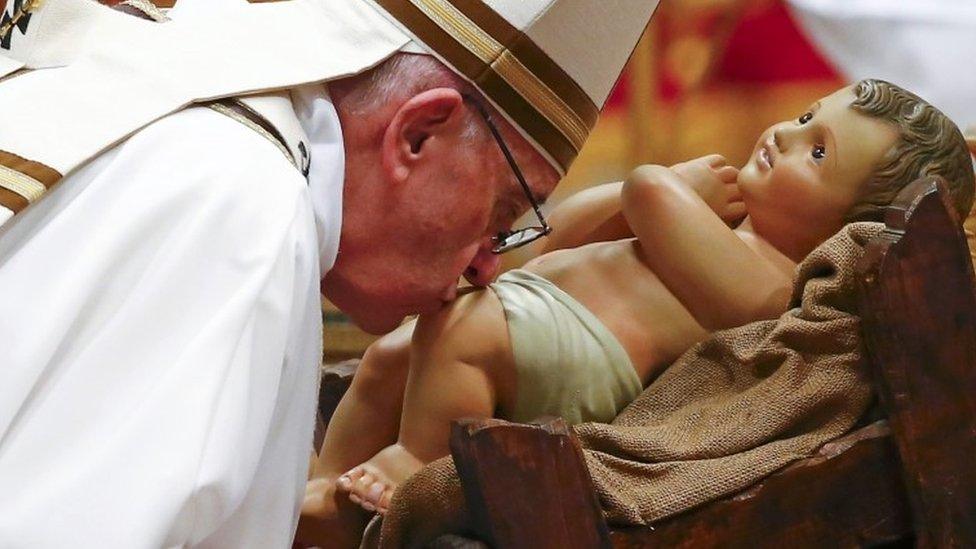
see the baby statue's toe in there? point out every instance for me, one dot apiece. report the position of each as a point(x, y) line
point(348, 481)
point(384, 505)
point(376, 492)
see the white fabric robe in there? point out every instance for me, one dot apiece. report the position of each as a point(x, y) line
point(162, 335)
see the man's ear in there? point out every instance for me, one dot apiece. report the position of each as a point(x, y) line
point(429, 116)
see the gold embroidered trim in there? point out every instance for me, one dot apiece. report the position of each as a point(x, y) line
point(503, 62)
point(227, 111)
point(146, 8)
point(27, 7)
point(19, 72)
point(21, 184)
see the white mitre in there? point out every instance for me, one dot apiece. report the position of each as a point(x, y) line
point(547, 65)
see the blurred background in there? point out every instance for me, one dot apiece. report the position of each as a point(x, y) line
point(710, 75)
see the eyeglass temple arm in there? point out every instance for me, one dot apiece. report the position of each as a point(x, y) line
point(515, 168)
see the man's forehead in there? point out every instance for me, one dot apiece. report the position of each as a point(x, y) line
point(543, 179)
point(516, 194)
point(540, 200)
point(541, 187)
point(540, 177)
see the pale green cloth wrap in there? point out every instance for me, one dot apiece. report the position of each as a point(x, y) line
point(568, 362)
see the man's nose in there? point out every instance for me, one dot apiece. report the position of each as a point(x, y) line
point(483, 267)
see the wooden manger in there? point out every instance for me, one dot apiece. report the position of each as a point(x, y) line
point(906, 480)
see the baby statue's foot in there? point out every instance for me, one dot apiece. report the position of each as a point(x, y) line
point(371, 485)
point(318, 500)
point(367, 488)
point(328, 521)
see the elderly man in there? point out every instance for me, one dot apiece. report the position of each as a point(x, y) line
point(174, 193)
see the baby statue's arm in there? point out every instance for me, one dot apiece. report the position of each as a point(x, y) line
point(721, 280)
point(594, 214)
point(591, 215)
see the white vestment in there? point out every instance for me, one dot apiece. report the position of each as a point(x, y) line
point(162, 332)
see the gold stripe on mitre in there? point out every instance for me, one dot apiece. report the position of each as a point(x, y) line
point(23, 181)
point(508, 67)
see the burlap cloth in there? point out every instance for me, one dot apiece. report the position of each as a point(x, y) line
point(729, 412)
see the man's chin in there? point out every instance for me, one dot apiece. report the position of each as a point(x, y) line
point(377, 325)
point(384, 323)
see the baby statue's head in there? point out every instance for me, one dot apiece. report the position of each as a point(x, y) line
point(846, 159)
point(928, 144)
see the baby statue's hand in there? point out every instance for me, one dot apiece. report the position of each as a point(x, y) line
point(715, 182)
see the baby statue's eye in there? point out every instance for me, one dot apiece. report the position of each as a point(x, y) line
point(807, 116)
point(819, 151)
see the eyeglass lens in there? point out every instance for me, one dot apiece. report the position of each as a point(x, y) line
point(519, 238)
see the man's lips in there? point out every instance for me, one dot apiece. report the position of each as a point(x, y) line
point(431, 306)
point(449, 294)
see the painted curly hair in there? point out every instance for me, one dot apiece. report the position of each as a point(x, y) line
point(928, 144)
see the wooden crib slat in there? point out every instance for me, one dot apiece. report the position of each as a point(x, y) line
point(527, 486)
point(918, 307)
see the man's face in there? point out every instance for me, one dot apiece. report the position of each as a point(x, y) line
point(805, 174)
point(435, 226)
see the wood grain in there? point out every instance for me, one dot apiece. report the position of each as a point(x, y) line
point(919, 312)
point(527, 485)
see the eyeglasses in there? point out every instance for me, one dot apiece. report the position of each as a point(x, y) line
point(509, 240)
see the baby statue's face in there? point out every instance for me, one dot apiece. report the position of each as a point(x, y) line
point(805, 174)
